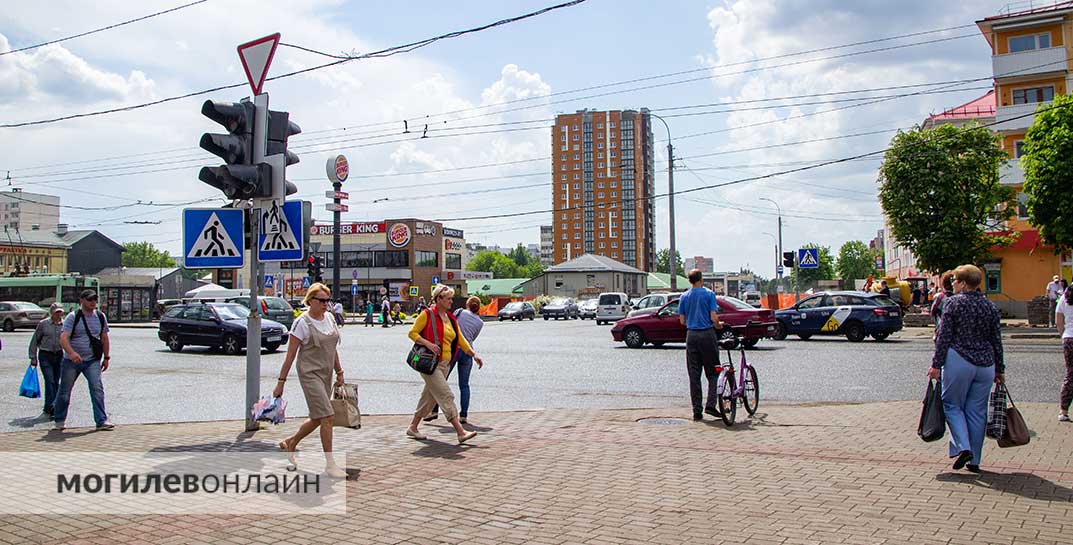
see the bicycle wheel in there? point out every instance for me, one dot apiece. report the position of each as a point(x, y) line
point(728, 405)
point(751, 393)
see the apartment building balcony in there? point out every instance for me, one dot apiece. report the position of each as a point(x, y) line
point(1017, 117)
point(1027, 63)
point(1012, 174)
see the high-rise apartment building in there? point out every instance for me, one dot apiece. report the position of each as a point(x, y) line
point(603, 184)
point(547, 245)
point(705, 264)
point(24, 212)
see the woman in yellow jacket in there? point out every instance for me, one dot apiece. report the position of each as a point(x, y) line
point(436, 391)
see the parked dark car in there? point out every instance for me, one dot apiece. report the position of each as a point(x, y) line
point(218, 325)
point(855, 314)
point(747, 324)
point(273, 308)
point(587, 309)
point(518, 310)
point(565, 309)
point(20, 314)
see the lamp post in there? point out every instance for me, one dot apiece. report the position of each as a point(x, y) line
point(778, 255)
point(672, 255)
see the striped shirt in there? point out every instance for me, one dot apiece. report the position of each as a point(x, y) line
point(469, 323)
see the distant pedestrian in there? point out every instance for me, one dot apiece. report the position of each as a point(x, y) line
point(698, 312)
point(46, 353)
point(369, 311)
point(471, 324)
point(437, 322)
point(385, 309)
point(932, 292)
point(947, 282)
point(86, 350)
point(916, 294)
point(396, 314)
point(968, 357)
point(314, 342)
point(885, 290)
point(868, 284)
point(421, 304)
point(1064, 321)
point(1054, 289)
point(337, 313)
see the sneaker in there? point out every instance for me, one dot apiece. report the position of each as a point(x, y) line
point(698, 417)
point(58, 426)
point(461, 420)
point(106, 426)
point(1063, 418)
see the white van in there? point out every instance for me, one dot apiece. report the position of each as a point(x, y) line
point(214, 296)
point(612, 306)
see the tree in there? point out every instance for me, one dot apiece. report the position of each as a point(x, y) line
point(940, 191)
point(1048, 166)
point(855, 262)
point(663, 264)
point(826, 270)
point(144, 254)
point(502, 266)
point(520, 255)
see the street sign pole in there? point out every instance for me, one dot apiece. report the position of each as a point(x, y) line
point(253, 321)
point(338, 170)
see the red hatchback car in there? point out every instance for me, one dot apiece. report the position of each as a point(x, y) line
point(748, 323)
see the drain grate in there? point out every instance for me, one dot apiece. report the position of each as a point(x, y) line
point(663, 421)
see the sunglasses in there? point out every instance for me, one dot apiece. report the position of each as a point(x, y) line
point(94, 298)
point(322, 300)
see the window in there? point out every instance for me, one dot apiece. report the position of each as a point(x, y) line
point(611, 145)
point(565, 237)
point(602, 235)
point(599, 125)
point(565, 147)
point(426, 259)
point(577, 186)
point(1022, 206)
point(577, 166)
point(612, 134)
point(600, 155)
point(600, 185)
point(576, 138)
point(1018, 149)
point(603, 225)
point(614, 244)
point(564, 215)
point(1027, 43)
point(614, 255)
point(810, 303)
point(600, 195)
point(614, 184)
point(452, 261)
point(993, 282)
point(599, 145)
point(613, 214)
point(577, 176)
point(563, 128)
point(611, 125)
point(577, 156)
point(577, 236)
point(576, 147)
point(566, 196)
point(577, 196)
point(614, 224)
point(613, 154)
point(1033, 94)
point(577, 245)
point(396, 259)
point(562, 157)
point(565, 226)
point(565, 187)
point(577, 215)
point(614, 194)
point(564, 166)
point(577, 226)
point(575, 127)
point(563, 138)
point(566, 246)
point(563, 177)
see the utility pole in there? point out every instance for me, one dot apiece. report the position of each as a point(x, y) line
point(673, 255)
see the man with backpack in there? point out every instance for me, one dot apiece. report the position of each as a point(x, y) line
point(86, 348)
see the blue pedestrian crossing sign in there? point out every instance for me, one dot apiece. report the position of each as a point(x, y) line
point(280, 238)
point(213, 238)
point(353, 289)
point(808, 258)
point(435, 280)
point(305, 282)
point(269, 280)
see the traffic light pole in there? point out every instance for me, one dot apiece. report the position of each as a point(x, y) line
point(253, 321)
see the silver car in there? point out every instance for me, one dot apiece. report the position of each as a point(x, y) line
point(15, 314)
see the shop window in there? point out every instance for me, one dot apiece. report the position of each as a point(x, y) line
point(453, 261)
point(426, 259)
point(392, 259)
point(993, 282)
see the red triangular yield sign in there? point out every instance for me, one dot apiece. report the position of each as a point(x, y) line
point(256, 56)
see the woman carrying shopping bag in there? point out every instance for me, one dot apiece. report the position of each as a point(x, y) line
point(1064, 320)
point(437, 322)
point(314, 342)
point(968, 358)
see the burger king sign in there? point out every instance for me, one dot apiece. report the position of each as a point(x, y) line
point(399, 235)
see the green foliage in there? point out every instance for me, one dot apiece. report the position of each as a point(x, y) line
point(144, 254)
point(520, 255)
point(1048, 166)
point(826, 270)
point(855, 262)
point(663, 263)
point(502, 266)
point(940, 191)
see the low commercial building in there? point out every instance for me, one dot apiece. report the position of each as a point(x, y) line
point(586, 275)
point(58, 252)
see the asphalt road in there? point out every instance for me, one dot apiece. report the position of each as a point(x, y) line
point(529, 365)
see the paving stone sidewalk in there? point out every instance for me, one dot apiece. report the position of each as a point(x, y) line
point(792, 474)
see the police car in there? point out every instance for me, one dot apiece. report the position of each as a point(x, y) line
point(855, 314)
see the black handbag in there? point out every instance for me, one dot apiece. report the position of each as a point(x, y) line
point(95, 343)
point(420, 358)
point(932, 424)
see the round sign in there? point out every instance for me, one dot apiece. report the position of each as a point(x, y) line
point(338, 169)
point(354, 274)
point(399, 235)
point(383, 290)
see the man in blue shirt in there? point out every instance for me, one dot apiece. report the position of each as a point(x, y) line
point(698, 311)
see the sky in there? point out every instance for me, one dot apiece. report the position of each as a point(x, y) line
point(488, 99)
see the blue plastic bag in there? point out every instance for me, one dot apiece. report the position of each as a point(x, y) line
point(30, 386)
point(270, 409)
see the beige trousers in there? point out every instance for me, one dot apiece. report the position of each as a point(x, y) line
point(437, 391)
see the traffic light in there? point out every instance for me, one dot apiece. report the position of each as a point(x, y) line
point(311, 268)
point(788, 260)
point(280, 128)
point(239, 178)
point(318, 273)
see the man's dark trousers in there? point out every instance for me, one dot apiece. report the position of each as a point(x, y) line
point(702, 352)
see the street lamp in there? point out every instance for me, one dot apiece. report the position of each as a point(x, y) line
point(777, 254)
point(778, 269)
point(672, 257)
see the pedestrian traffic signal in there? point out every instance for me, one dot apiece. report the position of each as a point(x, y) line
point(240, 178)
point(788, 260)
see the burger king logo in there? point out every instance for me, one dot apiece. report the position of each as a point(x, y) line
point(399, 235)
point(342, 168)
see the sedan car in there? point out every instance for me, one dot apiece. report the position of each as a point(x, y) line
point(563, 308)
point(15, 314)
point(652, 302)
point(221, 325)
point(855, 314)
point(747, 324)
point(518, 310)
point(587, 309)
point(273, 308)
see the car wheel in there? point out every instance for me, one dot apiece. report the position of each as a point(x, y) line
point(880, 336)
point(804, 336)
point(598, 322)
point(230, 346)
point(271, 347)
point(500, 318)
point(780, 332)
point(9, 325)
point(545, 318)
point(532, 317)
point(634, 337)
point(749, 343)
point(727, 339)
point(855, 331)
point(173, 343)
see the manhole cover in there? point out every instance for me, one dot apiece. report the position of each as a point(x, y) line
point(664, 421)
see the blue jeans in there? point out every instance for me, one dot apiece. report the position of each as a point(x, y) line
point(49, 362)
point(69, 372)
point(464, 362)
point(966, 388)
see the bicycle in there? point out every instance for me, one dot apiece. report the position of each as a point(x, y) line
point(747, 388)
